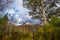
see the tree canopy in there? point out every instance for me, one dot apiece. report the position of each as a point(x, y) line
point(41, 9)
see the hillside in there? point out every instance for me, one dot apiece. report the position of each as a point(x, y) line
point(26, 28)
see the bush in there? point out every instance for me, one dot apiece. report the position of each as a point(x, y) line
point(55, 21)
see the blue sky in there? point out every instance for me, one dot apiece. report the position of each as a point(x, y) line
point(22, 14)
point(19, 13)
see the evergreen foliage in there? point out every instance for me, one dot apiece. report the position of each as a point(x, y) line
point(49, 31)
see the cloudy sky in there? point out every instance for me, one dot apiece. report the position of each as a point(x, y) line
point(19, 13)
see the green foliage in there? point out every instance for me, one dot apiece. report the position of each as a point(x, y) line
point(37, 7)
point(49, 31)
point(55, 21)
point(3, 20)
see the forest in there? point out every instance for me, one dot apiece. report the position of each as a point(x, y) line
point(45, 11)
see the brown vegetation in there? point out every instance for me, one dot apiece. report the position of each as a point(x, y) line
point(26, 28)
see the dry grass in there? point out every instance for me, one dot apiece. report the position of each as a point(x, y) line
point(28, 28)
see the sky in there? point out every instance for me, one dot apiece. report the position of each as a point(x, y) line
point(19, 13)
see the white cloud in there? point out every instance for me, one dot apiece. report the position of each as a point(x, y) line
point(21, 1)
point(11, 11)
point(20, 19)
point(16, 16)
point(6, 11)
point(27, 16)
point(58, 5)
point(17, 24)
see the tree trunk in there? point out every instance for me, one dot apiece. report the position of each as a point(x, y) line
point(43, 12)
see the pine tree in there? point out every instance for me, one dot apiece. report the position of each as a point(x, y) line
point(40, 8)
